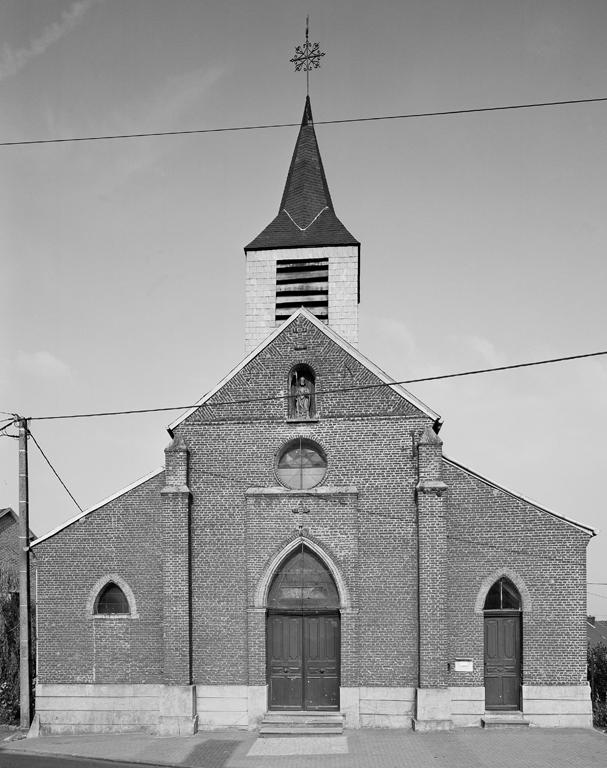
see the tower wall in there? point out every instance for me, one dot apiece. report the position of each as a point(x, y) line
point(260, 314)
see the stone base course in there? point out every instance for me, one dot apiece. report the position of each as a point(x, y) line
point(182, 710)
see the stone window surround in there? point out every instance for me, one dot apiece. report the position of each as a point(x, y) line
point(110, 578)
point(490, 580)
point(264, 583)
point(285, 446)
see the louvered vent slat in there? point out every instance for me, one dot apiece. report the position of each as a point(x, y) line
point(302, 283)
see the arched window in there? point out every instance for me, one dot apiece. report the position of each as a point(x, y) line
point(302, 393)
point(503, 596)
point(112, 600)
point(303, 582)
point(302, 464)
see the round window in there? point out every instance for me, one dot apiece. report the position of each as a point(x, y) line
point(302, 464)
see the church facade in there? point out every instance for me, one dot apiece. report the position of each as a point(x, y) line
point(307, 546)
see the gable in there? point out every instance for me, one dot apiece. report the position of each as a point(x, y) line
point(348, 384)
point(10, 519)
point(150, 484)
point(460, 478)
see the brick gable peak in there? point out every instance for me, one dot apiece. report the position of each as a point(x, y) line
point(302, 312)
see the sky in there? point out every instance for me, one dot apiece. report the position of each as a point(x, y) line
point(483, 236)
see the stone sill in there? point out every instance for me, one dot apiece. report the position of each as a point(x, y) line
point(302, 421)
point(326, 490)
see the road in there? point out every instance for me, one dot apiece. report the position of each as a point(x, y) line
point(47, 761)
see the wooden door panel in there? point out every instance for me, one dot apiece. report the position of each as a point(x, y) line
point(491, 639)
point(321, 654)
point(303, 661)
point(285, 663)
point(510, 690)
point(502, 662)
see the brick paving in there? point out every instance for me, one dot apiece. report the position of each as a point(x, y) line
point(302, 745)
point(463, 748)
point(469, 748)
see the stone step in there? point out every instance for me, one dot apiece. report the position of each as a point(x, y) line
point(504, 720)
point(298, 715)
point(300, 730)
point(301, 723)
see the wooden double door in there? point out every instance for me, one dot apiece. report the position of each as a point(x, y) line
point(303, 661)
point(503, 660)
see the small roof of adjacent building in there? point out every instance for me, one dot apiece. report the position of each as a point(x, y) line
point(597, 631)
point(306, 216)
point(8, 516)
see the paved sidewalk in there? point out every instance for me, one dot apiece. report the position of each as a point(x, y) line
point(463, 748)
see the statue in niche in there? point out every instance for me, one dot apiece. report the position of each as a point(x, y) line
point(302, 399)
point(302, 395)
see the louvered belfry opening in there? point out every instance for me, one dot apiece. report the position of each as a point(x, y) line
point(302, 283)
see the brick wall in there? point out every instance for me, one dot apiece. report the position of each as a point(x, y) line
point(489, 530)
point(369, 533)
point(123, 538)
point(363, 518)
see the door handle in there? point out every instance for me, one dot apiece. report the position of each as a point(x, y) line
point(322, 671)
point(286, 669)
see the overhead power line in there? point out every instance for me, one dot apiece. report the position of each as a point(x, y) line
point(407, 116)
point(330, 498)
point(321, 392)
point(45, 457)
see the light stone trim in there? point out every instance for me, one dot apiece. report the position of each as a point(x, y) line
point(321, 490)
point(261, 289)
point(87, 708)
point(386, 707)
point(558, 706)
point(435, 487)
point(222, 706)
point(106, 708)
point(263, 585)
point(467, 705)
point(349, 706)
point(94, 594)
point(177, 710)
point(258, 704)
point(490, 580)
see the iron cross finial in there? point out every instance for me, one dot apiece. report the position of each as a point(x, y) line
point(307, 56)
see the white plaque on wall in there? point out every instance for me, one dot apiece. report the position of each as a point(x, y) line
point(464, 665)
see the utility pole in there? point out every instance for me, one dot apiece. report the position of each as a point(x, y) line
point(24, 582)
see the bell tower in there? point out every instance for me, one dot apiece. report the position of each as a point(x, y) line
point(305, 256)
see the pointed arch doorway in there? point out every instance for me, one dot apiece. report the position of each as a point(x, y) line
point(303, 635)
point(503, 646)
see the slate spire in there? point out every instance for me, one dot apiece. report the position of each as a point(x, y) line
point(306, 216)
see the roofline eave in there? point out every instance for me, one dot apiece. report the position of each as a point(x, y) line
point(97, 506)
point(586, 528)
